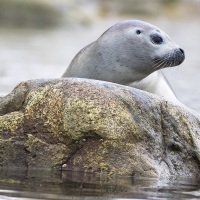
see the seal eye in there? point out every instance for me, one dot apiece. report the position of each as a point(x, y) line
point(138, 32)
point(156, 39)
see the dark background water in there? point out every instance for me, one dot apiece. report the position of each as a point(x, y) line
point(38, 39)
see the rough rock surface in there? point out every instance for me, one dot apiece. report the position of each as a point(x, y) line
point(88, 125)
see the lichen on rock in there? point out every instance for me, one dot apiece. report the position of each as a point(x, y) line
point(96, 126)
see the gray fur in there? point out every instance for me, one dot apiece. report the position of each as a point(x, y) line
point(124, 56)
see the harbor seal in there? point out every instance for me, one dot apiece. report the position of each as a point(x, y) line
point(131, 52)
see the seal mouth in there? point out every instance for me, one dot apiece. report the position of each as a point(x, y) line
point(169, 60)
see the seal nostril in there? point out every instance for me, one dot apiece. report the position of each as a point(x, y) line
point(182, 51)
point(180, 56)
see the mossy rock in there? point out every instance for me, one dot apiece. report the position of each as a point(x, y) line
point(87, 125)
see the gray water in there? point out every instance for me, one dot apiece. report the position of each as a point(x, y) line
point(44, 184)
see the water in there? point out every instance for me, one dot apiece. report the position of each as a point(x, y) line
point(44, 184)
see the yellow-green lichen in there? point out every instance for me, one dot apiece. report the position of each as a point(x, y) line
point(10, 181)
point(107, 118)
point(45, 110)
point(32, 142)
point(12, 123)
point(58, 152)
point(104, 156)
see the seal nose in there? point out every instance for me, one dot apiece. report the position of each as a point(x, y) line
point(180, 56)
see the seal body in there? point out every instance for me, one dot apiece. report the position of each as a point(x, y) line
point(130, 53)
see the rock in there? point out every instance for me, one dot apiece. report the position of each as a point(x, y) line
point(96, 126)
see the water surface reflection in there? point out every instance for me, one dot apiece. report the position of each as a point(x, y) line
point(44, 184)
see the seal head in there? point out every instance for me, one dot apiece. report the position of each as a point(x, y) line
point(128, 51)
